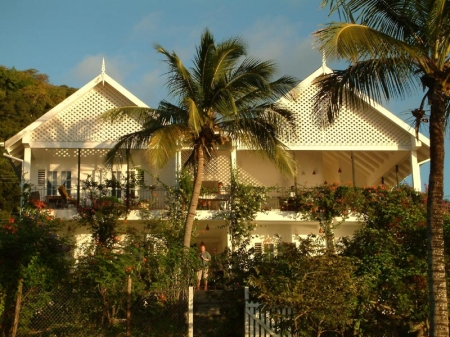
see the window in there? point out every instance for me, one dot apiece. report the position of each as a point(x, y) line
point(116, 188)
point(41, 178)
point(258, 248)
point(66, 180)
point(269, 251)
point(52, 182)
point(136, 181)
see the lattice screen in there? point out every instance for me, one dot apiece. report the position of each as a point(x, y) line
point(79, 121)
point(217, 169)
point(85, 153)
point(360, 128)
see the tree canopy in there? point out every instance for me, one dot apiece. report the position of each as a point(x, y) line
point(25, 95)
point(394, 47)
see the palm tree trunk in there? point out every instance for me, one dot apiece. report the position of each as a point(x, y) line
point(198, 179)
point(17, 309)
point(435, 231)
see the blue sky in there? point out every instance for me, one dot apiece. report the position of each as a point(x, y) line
point(68, 39)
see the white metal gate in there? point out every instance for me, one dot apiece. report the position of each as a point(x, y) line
point(258, 323)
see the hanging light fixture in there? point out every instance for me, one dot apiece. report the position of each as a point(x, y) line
point(339, 171)
point(207, 227)
point(314, 172)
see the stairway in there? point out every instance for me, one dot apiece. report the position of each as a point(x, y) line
point(207, 316)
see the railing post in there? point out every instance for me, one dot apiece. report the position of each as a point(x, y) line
point(191, 312)
point(128, 333)
point(246, 316)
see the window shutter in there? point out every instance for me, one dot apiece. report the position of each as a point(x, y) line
point(41, 178)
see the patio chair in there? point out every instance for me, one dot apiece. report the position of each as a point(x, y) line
point(35, 197)
point(65, 196)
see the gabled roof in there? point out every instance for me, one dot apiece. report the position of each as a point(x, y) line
point(372, 128)
point(379, 142)
point(75, 120)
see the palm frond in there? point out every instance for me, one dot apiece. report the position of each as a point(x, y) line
point(259, 134)
point(139, 114)
point(196, 117)
point(395, 18)
point(362, 83)
point(135, 140)
point(179, 81)
point(202, 60)
point(227, 55)
point(164, 144)
point(356, 42)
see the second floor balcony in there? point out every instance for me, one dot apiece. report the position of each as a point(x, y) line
point(154, 199)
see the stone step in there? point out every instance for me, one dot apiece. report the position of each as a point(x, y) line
point(206, 310)
point(201, 296)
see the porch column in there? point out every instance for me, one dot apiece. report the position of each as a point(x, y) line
point(26, 168)
point(178, 166)
point(415, 172)
point(233, 158)
point(353, 169)
point(78, 176)
point(230, 241)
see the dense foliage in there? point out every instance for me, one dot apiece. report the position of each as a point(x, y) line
point(373, 281)
point(32, 254)
point(152, 260)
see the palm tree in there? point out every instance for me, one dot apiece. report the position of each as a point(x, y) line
point(224, 97)
point(394, 46)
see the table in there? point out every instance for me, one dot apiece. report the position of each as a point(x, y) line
point(57, 200)
point(213, 201)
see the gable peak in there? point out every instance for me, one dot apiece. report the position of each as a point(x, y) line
point(103, 71)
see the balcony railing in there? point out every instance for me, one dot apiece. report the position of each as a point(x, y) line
point(154, 199)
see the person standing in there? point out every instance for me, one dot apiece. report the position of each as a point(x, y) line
point(205, 258)
point(222, 202)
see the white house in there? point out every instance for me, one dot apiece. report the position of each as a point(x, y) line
point(361, 148)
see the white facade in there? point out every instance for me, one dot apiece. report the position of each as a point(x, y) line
point(363, 148)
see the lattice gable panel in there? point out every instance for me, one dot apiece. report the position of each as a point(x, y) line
point(352, 128)
point(79, 122)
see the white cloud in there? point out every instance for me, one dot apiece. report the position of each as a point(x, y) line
point(118, 67)
point(148, 24)
point(286, 42)
point(150, 88)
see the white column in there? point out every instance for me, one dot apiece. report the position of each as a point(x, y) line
point(178, 166)
point(415, 172)
point(246, 316)
point(26, 168)
point(191, 312)
point(233, 159)
point(229, 242)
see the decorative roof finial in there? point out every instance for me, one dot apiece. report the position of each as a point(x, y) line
point(103, 71)
point(324, 61)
